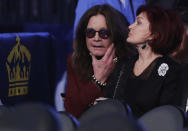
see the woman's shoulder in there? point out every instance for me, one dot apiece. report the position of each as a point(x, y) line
point(169, 61)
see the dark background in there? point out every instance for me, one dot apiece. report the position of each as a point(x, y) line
point(15, 13)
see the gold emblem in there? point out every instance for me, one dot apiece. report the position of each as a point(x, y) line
point(18, 67)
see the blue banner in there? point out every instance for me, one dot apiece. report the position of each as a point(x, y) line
point(27, 68)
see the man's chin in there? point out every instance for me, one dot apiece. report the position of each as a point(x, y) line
point(98, 57)
point(98, 54)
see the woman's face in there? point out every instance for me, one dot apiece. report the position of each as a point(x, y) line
point(139, 30)
point(97, 44)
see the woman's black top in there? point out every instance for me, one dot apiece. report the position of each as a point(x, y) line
point(157, 85)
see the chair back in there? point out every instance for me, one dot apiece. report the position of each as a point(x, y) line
point(69, 122)
point(30, 117)
point(163, 118)
point(111, 122)
point(109, 106)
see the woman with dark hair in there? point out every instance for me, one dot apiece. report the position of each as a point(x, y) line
point(151, 78)
point(100, 46)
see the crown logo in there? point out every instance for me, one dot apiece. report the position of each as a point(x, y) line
point(18, 67)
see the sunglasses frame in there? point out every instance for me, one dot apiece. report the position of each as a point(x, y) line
point(104, 34)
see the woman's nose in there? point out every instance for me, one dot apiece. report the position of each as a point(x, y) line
point(130, 26)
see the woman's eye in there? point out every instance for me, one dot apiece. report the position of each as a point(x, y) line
point(138, 23)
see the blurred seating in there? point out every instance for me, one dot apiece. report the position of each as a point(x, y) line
point(30, 117)
point(164, 118)
point(3, 109)
point(69, 122)
point(105, 107)
point(28, 68)
point(111, 122)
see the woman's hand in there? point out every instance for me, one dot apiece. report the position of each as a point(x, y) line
point(103, 67)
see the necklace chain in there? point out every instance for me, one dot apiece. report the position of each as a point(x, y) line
point(118, 81)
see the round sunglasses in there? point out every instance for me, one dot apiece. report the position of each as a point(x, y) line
point(104, 34)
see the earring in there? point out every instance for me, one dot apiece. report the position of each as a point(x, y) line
point(143, 46)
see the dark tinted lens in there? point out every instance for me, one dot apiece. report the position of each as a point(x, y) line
point(104, 34)
point(90, 33)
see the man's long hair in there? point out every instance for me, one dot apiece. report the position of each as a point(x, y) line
point(117, 24)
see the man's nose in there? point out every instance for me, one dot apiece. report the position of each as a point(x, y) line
point(97, 37)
